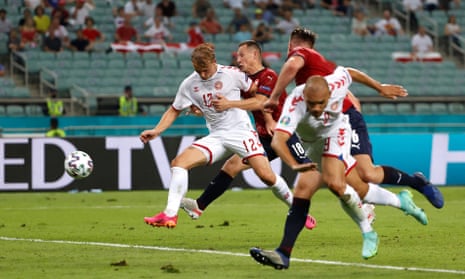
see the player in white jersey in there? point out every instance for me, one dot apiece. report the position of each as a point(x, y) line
point(314, 111)
point(230, 131)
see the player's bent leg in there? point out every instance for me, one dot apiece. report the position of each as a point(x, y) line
point(389, 175)
point(215, 188)
point(262, 169)
point(430, 191)
point(278, 185)
point(234, 165)
point(403, 201)
point(367, 171)
point(410, 208)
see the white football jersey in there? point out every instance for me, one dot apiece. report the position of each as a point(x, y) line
point(227, 81)
point(296, 117)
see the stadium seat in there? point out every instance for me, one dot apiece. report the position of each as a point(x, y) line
point(33, 110)
point(387, 108)
point(369, 108)
point(7, 82)
point(456, 108)
point(134, 63)
point(14, 110)
point(163, 91)
point(404, 108)
point(20, 92)
point(422, 108)
point(439, 108)
point(156, 109)
point(98, 64)
point(116, 64)
point(81, 55)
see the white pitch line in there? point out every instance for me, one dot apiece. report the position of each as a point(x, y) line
point(160, 248)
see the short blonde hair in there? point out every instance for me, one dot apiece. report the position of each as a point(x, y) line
point(203, 55)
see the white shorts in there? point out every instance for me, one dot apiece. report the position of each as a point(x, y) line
point(243, 142)
point(335, 146)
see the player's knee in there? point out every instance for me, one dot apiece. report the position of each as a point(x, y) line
point(267, 178)
point(175, 162)
point(232, 169)
point(367, 174)
point(337, 187)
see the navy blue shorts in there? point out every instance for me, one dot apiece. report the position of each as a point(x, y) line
point(360, 140)
point(294, 145)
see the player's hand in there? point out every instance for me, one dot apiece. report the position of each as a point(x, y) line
point(270, 105)
point(148, 135)
point(305, 167)
point(194, 110)
point(221, 103)
point(392, 91)
point(270, 128)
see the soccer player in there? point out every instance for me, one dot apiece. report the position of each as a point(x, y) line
point(314, 111)
point(249, 59)
point(303, 63)
point(230, 131)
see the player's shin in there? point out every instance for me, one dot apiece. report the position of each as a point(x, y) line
point(352, 205)
point(381, 196)
point(282, 191)
point(178, 188)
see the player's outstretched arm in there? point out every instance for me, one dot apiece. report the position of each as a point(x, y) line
point(390, 91)
point(287, 74)
point(165, 122)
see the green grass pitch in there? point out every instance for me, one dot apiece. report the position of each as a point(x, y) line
point(102, 235)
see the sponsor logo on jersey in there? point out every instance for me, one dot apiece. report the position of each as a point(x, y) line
point(196, 89)
point(285, 120)
point(265, 88)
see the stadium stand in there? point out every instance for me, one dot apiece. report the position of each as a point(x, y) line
point(85, 78)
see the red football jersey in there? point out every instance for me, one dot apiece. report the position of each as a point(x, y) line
point(315, 64)
point(266, 81)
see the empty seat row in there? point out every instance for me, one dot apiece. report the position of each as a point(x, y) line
point(416, 108)
point(20, 110)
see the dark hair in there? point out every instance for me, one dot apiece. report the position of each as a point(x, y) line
point(253, 44)
point(304, 34)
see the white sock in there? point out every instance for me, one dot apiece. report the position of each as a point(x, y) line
point(282, 191)
point(352, 205)
point(379, 195)
point(178, 188)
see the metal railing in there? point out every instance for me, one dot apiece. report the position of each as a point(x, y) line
point(460, 48)
point(15, 57)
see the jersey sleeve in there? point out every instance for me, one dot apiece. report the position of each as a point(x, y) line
point(293, 111)
point(243, 81)
point(182, 100)
point(266, 83)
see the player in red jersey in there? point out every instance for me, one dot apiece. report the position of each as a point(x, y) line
point(249, 61)
point(303, 61)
